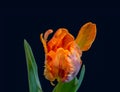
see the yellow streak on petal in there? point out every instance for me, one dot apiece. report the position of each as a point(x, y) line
point(86, 36)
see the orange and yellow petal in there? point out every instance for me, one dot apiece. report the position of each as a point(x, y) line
point(60, 39)
point(86, 36)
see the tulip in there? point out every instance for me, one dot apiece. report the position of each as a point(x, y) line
point(63, 52)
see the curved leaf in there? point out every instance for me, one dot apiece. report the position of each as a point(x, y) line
point(66, 87)
point(34, 84)
point(81, 76)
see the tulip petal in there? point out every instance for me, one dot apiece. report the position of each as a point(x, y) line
point(71, 86)
point(43, 42)
point(86, 36)
point(64, 66)
point(60, 39)
point(56, 40)
point(47, 33)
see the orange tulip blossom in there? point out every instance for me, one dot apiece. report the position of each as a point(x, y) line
point(63, 52)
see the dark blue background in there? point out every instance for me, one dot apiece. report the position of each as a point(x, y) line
point(100, 60)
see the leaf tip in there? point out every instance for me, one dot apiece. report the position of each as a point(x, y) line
point(25, 41)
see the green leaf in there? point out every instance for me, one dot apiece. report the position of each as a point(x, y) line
point(33, 79)
point(71, 86)
point(66, 87)
point(81, 76)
